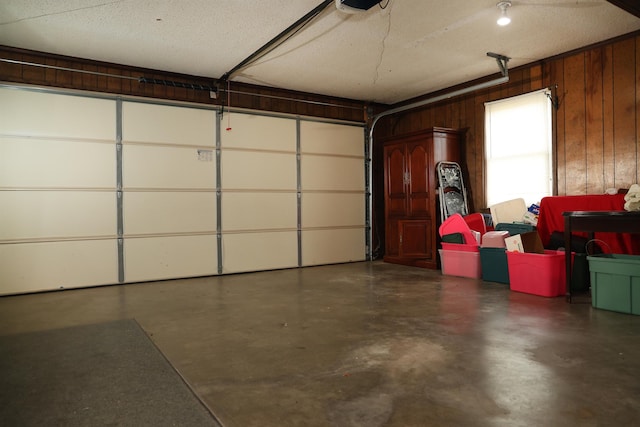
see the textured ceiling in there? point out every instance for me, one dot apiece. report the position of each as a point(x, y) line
point(409, 48)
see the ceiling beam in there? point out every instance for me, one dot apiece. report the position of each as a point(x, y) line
point(631, 6)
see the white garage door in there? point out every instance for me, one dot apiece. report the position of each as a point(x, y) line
point(103, 190)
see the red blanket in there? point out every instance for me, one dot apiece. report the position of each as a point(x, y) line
point(551, 219)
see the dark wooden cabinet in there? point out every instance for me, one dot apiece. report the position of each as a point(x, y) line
point(411, 201)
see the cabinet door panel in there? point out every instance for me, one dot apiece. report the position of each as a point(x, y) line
point(418, 170)
point(392, 237)
point(415, 238)
point(395, 180)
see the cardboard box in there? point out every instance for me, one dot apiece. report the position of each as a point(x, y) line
point(526, 242)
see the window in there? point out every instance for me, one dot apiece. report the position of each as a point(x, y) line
point(518, 148)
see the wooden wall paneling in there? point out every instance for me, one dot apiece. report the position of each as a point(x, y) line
point(9, 71)
point(574, 144)
point(478, 186)
point(594, 122)
point(252, 96)
point(608, 146)
point(624, 113)
point(473, 152)
point(89, 81)
point(536, 77)
point(556, 75)
point(50, 74)
point(439, 115)
point(515, 86)
point(33, 75)
point(526, 80)
point(428, 119)
point(470, 150)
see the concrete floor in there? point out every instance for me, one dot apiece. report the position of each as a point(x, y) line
point(371, 344)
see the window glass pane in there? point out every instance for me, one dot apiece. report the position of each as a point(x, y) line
point(518, 148)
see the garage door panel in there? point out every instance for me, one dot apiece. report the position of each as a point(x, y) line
point(57, 214)
point(167, 124)
point(330, 138)
point(257, 170)
point(41, 114)
point(332, 210)
point(251, 211)
point(169, 212)
point(31, 267)
point(332, 173)
point(252, 131)
point(168, 167)
point(48, 163)
point(332, 246)
point(259, 251)
point(168, 257)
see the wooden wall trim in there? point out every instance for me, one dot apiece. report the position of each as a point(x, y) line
point(82, 74)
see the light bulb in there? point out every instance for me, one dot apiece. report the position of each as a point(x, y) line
point(504, 18)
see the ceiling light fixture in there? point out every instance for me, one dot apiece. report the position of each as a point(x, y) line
point(504, 18)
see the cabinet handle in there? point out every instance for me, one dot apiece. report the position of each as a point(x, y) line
point(406, 178)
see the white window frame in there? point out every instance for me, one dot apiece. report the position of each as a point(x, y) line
point(518, 148)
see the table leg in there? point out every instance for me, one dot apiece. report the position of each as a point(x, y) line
point(567, 255)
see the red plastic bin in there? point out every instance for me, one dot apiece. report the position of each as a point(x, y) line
point(537, 274)
point(461, 263)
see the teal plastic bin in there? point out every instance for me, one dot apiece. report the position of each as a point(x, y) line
point(494, 265)
point(515, 227)
point(615, 282)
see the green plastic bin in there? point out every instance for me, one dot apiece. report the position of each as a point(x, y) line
point(515, 227)
point(494, 265)
point(615, 282)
